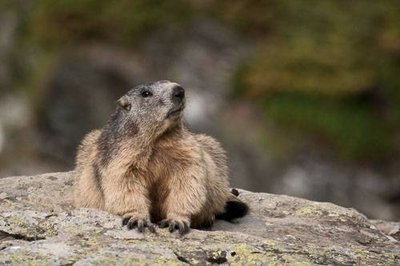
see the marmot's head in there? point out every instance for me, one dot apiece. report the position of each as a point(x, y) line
point(153, 107)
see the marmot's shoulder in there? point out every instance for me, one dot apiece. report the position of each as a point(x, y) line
point(208, 141)
point(212, 146)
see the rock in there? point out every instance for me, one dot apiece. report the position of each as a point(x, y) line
point(38, 225)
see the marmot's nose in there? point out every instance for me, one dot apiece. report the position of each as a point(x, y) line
point(178, 93)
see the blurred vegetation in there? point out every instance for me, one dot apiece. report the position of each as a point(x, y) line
point(47, 27)
point(326, 67)
point(124, 21)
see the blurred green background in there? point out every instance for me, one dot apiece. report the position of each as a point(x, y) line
point(304, 94)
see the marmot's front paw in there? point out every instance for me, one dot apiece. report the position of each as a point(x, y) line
point(175, 224)
point(132, 220)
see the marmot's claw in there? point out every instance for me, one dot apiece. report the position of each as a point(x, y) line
point(125, 221)
point(132, 222)
point(152, 228)
point(163, 223)
point(181, 226)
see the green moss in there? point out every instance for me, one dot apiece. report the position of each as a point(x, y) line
point(46, 229)
point(133, 259)
point(275, 255)
point(16, 220)
point(28, 258)
point(247, 255)
point(34, 230)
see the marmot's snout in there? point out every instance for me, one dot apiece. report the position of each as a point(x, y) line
point(178, 94)
point(178, 100)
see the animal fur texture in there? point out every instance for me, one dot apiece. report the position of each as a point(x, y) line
point(145, 166)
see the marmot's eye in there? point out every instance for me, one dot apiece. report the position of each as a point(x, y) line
point(146, 94)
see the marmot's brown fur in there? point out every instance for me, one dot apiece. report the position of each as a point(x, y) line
point(147, 167)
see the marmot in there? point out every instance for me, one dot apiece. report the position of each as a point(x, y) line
point(147, 167)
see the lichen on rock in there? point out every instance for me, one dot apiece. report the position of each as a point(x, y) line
point(38, 226)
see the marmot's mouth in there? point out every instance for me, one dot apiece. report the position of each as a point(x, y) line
point(175, 111)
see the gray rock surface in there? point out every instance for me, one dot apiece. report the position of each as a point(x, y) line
point(38, 226)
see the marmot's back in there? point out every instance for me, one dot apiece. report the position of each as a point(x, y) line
point(88, 192)
point(234, 207)
point(217, 153)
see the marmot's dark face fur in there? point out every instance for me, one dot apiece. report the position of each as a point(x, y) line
point(151, 108)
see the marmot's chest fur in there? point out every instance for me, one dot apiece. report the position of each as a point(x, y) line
point(168, 166)
point(145, 166)
point(164, 165)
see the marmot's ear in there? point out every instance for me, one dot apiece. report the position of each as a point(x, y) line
point(124, 103)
